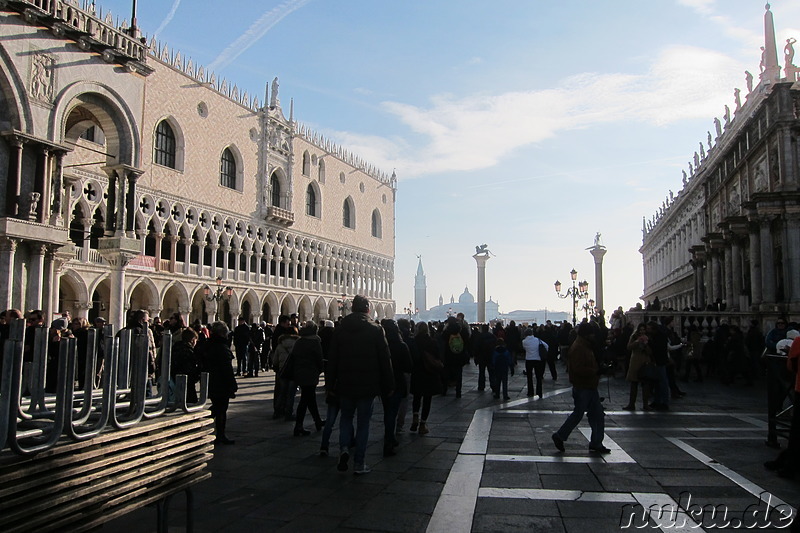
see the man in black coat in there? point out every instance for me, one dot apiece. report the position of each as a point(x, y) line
point(217, 361)
point(359, 369)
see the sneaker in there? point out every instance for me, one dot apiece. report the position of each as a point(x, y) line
point(323, 452)
point(224, 440)
point(343, 458)
point(559, 442)
point(362, 469)
point(599, 449)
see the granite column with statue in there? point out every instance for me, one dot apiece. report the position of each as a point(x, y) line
point(598, 251)
point(481, 256)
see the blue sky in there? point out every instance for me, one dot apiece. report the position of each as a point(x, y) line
point(528, 125)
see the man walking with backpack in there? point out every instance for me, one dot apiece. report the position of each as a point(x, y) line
point(535, 360)
point(455, 338)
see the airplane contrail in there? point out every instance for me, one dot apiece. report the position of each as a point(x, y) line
point(169, 16)
point(255, 32)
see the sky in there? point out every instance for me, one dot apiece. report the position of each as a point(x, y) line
point(526, 125)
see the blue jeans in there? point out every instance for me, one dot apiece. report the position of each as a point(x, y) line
point(586, 401)
point(662, 386)
point(348, 407)
point(391, 405)
point(330, 420)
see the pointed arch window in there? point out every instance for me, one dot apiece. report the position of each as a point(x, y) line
point(275, 187)
point(377, 230)
point(227, 169)
point(306, 164)
point(349, 214)
point(311, 201)
point(165, 145)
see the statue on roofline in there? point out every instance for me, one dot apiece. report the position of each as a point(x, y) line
point(748, 78)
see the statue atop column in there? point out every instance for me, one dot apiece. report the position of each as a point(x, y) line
point(482, 249)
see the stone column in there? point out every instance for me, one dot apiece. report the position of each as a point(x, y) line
point(598, 251)
point(481, 259)
point(755, 266)
point(14, 178)
point(187, 255)
point(173, 252)
point(42, 185)
point(51, 278)
point(60, 202)
point(214, 247)
point(248, 260)
point(86, 222)
point(715, 275)
point(118, 253)
point(792, 253)
point(728, 295)
point(35, 284)
point(736, 274)
point(158, 238)
point(111, 204)
point(259, 258)
point(8, 248)
point(201, 254)
point(130, 202)
point(769, 290)
point(226, 257)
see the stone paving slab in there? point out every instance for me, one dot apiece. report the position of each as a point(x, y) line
point(272, 481)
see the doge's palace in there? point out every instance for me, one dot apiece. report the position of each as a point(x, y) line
point(134, 179)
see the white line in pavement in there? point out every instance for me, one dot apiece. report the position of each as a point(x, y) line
point(656, 414)
point(617, 455)
point(645, 428)
point(557, 494)
point(455, 507)
point(664, 511)
point(546, 458)
point(740, 480)
point(751, 419)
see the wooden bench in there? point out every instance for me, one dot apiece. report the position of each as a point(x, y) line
point(71, 464)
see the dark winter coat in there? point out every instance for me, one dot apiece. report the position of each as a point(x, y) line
point(401, 365)
point(359, 364)
point(425, 379)
point(217, 362)
point(306, 361)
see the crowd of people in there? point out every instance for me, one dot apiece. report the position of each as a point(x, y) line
point(408, 364)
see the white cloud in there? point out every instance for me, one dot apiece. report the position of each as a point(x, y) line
point(476, 131)
point(704, 7)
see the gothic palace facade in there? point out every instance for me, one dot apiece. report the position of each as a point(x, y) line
point(732, 235)
point(131, 178)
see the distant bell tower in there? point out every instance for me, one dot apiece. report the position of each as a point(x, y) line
point(420, 288)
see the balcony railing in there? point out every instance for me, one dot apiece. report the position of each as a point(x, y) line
point(280, 215)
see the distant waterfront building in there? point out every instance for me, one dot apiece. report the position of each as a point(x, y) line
point(730, 239)
point(466, 304)
point(134, 178)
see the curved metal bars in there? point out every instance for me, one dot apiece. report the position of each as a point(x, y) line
point(161, 399)
point(76, 428)
point(49, 438)
point(121, 400)
point(88, 381)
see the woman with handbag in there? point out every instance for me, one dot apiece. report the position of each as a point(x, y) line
point(641, 358)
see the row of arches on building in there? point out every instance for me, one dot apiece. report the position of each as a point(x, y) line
point(90, 298)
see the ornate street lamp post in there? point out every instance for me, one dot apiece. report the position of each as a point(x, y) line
point(217, 296)
point(578, 291)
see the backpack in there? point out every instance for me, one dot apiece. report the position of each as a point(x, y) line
point(455, 343)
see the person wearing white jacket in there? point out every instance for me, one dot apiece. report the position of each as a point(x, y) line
point(534, 362)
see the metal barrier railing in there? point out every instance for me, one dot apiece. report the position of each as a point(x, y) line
point(33, 420)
